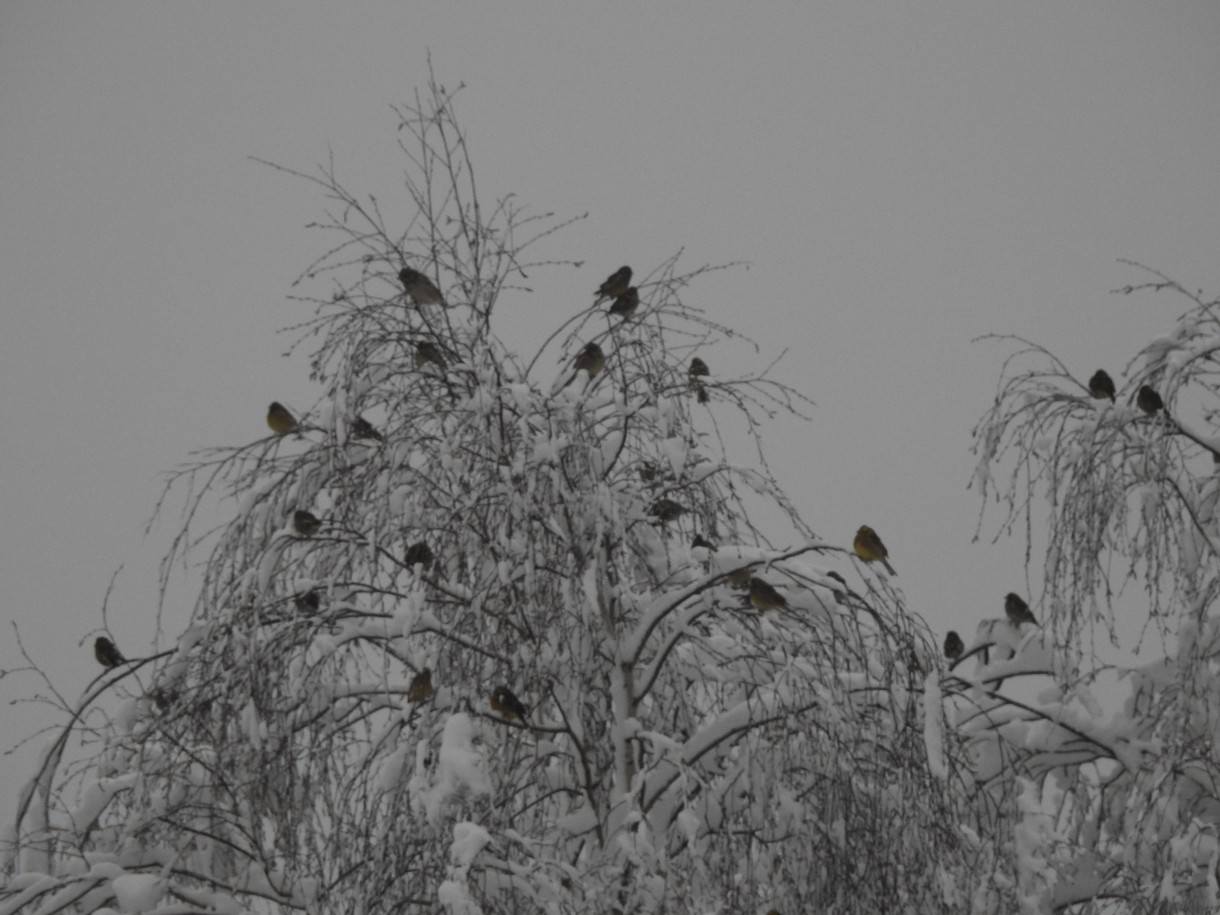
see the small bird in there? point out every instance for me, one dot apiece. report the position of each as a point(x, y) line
point(279, 419)
point(505, 703)
point(764, 597)
point(1149, 400)
point(648, 471)
point(420, 289)
point(868, 546)
point(362, 428)
point(698, 369)
point(420, 689)
point(667, 509)
point(590, 359)
point(419, 554)
point(1101, 385)
point(1017, 610)
point(107, 653)
point(701, 541)
point(954, 646)
point(427, 351)
point(305, 523)
point(626, 304)
point(616, 284)
point(309, 602)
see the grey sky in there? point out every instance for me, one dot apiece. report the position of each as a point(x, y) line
point(900, 178)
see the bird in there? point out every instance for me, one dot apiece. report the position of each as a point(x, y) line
point(362, 428)
point(1017, 610)
point(427, 351)
point(279, 419)
point(1149, 400)
point(868, 546)
point(308, 602)
point(107, 653)
point(764, 597)
point(698, 369)
point(505, 703)
point(305, 523)
point(420, 289)
point(954, 646)
point(667, 509)
point(616, 284)
point(590, 359)
point(648, 471)
point(420, 689)
point(419, 553)
point(1101, 385)
point(701, 541)
point(626, 304)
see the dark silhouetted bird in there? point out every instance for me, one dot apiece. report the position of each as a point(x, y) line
point(591, 359)
point(1149, 400)
point(954, 646)
point(1101, 385)
point(428, 352)
point(305, 523)
point(362, 428)
point(420, 289)
point(616, 284)
point(626, 304)
point(1017, 610)
point(764, 597)
point(107, 654)
point(309, 602)
point(868, 546)
point(503, 702)
point(279, 419)
point(701, 541)
point(421, 689)
point(419, 554)
point(667, 509)
point(698, 369)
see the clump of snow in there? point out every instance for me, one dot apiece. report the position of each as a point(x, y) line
point(460, 767)
point(138, 892)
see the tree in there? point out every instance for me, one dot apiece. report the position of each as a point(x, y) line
point(1109, 809)
point(509, 661)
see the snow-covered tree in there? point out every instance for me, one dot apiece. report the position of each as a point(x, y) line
point(1105, 788)
point(492, 633)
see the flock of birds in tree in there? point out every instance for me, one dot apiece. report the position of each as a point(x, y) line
point(625, 301)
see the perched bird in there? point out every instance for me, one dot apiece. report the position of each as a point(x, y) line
point(305, 523)
point(1149, 400)
point(626, 304)
point(667, 509)
point(648, 471)
point(279, 419)
point(503, 702)
point(1101, 385)
point(954, 646)
point(1017, 610)
point(419, 554)
point(868, 546)
point(764, 597)
point(616, 284)
point(309, 602)
point(427, 351)
point(362, 428)
point(701, 541)
point(590, 359)
point(420, 689)
point(420, 289)
point(107, 654)
point(698, 369)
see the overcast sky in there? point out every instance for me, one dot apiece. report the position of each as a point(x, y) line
point(901, 178)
